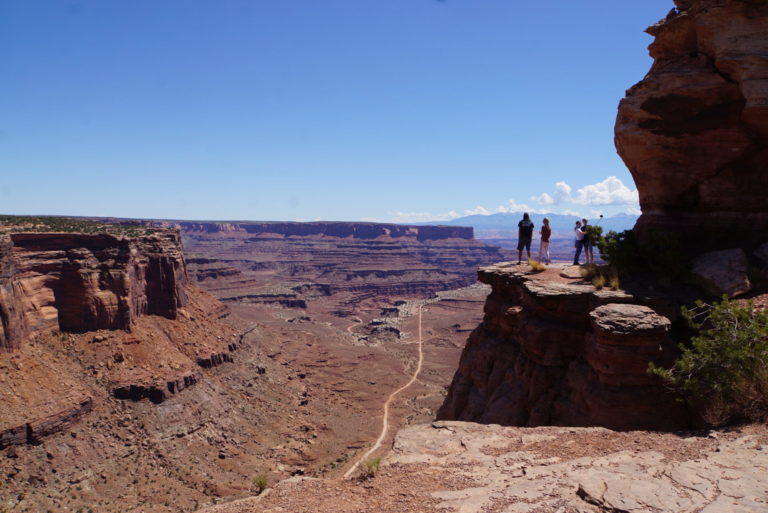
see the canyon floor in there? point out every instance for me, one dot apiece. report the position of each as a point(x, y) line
point(302, 396)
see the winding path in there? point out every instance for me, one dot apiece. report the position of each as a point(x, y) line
point(385, 418)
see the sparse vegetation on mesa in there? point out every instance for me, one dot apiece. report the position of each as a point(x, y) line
point(260, 483)
point(371, 468)
point(723, 373)
point(601, 275)
point(16, 224)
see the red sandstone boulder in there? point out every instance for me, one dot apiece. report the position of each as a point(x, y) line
point(694, 131)
point(722, 272)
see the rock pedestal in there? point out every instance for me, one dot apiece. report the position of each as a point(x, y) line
point(553, 353)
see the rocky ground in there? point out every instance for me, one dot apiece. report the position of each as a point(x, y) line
point(471, 468)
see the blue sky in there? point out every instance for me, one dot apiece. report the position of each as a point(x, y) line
point(390, 110)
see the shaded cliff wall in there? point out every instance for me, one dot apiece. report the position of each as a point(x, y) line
point(694, 131)
point(81, 282)
point(334, 229)
point(555, 353)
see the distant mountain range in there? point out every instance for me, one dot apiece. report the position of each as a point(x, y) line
point(504, 225)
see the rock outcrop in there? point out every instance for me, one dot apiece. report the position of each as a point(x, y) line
point(470, 468)
point(694, 131)
point(77, 282)
point(550, 351)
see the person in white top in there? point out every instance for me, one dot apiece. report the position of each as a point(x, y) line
point(579, 242)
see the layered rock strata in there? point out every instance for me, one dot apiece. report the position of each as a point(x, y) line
point(694, 131)
point(554, 352)
point(81, 282)
point(332, 229)
point(272, 263)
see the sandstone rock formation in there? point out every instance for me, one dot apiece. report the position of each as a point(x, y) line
point(722, 272)
point(694, 131)
point(551, 351)
point(290, 264)
point(80, 282)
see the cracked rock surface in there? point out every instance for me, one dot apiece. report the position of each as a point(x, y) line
point(471, 468)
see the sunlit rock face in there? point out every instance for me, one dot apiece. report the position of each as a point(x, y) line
point(694, 131)
point(80, 282)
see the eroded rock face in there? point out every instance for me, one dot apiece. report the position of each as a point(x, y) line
point(81, 282)
point(563, 353)
point(292, 264)
point(694, 131)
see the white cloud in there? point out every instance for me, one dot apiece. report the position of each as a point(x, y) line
point(610, 191)
point(544, 199)
point(477, 211)
point(568, 212)
point(421, 217)
point(513, 206)
point(633, 211)
point(562, 192)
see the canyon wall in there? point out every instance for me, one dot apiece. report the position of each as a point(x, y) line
point(292, 264)
point(332, 229)
point(694, 131)
point(555, 352)
point(76, 282)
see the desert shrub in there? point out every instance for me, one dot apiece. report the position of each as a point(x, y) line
point(594, 233)
point(600, 275)
point(260, 483)
point(613, 280)
point(536, 266)
point(598, 281)
point(371, 467)
point(659, 253)
point(723, 372)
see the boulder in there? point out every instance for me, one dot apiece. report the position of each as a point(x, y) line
point(722, 272)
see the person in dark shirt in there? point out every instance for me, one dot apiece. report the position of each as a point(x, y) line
point(524, 237)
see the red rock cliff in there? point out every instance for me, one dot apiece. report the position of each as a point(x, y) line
point(552, 352)
point(80, 282)
point(333, 229)
point(694, 131)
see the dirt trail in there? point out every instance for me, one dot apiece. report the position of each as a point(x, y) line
point(385, 418)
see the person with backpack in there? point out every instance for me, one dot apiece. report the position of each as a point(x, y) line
point(524, 237)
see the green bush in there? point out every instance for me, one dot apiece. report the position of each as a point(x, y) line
point(371, 467)
point(659, 253)
point(723, 373)
point(260, 483)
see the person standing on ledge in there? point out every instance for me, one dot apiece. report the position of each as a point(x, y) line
point(524, 237)
point(546, 231)
point(579, 242)
point(587, 242)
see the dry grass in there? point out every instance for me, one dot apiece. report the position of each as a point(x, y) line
point(536, 266)
point(600, 276)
